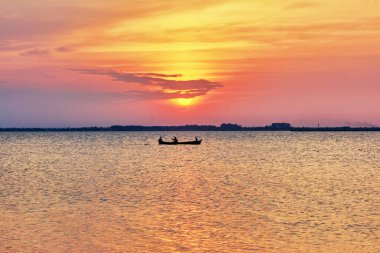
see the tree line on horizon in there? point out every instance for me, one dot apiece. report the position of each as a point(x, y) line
point(222, 127)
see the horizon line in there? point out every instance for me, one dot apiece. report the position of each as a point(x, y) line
point(283, 126)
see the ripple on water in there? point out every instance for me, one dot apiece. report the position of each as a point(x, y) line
point(237, 192)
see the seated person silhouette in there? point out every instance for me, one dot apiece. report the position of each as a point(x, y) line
point(175, 140)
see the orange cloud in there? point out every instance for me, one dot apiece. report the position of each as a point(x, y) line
point(300, 5)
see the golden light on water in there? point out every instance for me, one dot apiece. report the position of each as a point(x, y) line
point(249, 194)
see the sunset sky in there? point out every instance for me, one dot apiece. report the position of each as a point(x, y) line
point(168, 62)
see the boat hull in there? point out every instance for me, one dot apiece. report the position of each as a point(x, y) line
point(180, 143)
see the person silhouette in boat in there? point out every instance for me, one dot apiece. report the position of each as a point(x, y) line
point(175, 140)
point(160, 140)
point(196, 138)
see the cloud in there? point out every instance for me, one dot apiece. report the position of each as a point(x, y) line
point(168, 89)
point(367, 25)
point(36, 20)
point(300, 5)
point(64, 49)
point(160, 94)
point(8, 15)
point(11, 45)
point(35, 52)
point(159, 75)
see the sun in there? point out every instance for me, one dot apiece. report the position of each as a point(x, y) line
point(185, 102)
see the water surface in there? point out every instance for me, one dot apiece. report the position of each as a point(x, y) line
point(237, 192)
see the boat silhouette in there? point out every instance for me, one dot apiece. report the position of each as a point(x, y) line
point(176, 142)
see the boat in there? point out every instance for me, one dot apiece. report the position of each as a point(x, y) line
point(196, 142)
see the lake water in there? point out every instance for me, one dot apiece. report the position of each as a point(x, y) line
point(237, 192)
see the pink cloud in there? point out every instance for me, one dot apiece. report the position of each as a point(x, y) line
point(35, 52)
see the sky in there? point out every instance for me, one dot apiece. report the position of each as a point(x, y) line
point(69, 63)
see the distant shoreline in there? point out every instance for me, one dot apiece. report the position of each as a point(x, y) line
point(223, 127)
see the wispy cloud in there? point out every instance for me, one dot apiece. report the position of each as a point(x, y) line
point(8, 15)
point(35, 52)
point(300, 5)
point(160, 94)
point(11, 45)
point(159, 75)
point(64, 49)
point(164, 88)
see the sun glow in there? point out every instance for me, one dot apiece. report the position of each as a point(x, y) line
point(185, 102)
